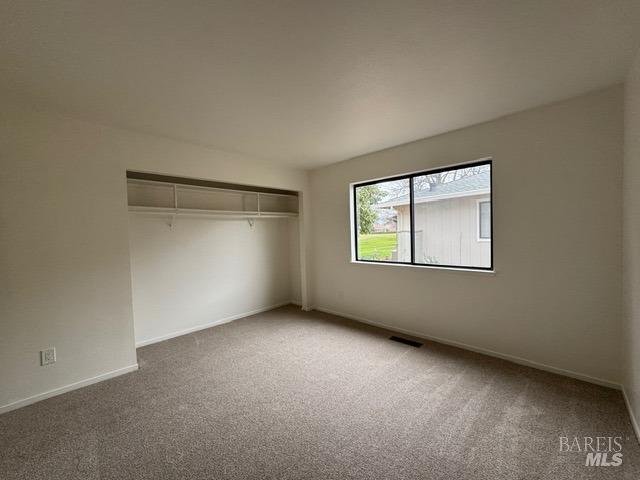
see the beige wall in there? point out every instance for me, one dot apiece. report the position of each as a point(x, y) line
point(65, 276)
point(631, 272)
point(555, 298)
point(205, 271)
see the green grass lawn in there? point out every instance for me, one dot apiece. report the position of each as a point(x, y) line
point(376, 246)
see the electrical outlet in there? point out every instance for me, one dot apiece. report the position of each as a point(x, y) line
point(48, 356)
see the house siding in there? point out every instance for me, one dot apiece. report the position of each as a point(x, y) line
point(446, 232)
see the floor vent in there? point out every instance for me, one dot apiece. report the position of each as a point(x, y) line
point(406, 341)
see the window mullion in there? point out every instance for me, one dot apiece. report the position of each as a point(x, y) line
point(411, 223)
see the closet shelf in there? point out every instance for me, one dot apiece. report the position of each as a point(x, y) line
point(172, 199)
point(193, 212)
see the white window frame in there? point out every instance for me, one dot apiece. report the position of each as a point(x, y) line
point(478, 202)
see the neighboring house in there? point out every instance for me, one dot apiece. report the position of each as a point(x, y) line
point(452, 222)
point(386, 225)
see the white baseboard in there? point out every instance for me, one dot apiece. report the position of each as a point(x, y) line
point(491, 353)
point(634, 421)
point(204, 326)
point(67, 388)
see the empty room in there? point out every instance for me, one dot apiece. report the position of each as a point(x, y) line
point(320, 239)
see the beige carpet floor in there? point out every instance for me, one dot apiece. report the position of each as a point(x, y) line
point(294, 395)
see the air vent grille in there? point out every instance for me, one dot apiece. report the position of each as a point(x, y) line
point(406, 341)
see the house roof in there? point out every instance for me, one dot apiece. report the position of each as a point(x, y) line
point(473, 185)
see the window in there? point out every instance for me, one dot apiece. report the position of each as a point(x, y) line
point(441, 217)
point(484, 220)
point(383, 232)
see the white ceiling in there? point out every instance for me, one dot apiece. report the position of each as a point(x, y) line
point(307, 83)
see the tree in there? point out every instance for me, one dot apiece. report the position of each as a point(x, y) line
point(431, 181)
point(366, 198)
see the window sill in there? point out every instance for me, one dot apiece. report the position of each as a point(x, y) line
point(430, 267)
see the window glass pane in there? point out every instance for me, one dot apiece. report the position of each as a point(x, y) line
point(446, 217)
point(485, 220)
point(383, 221)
